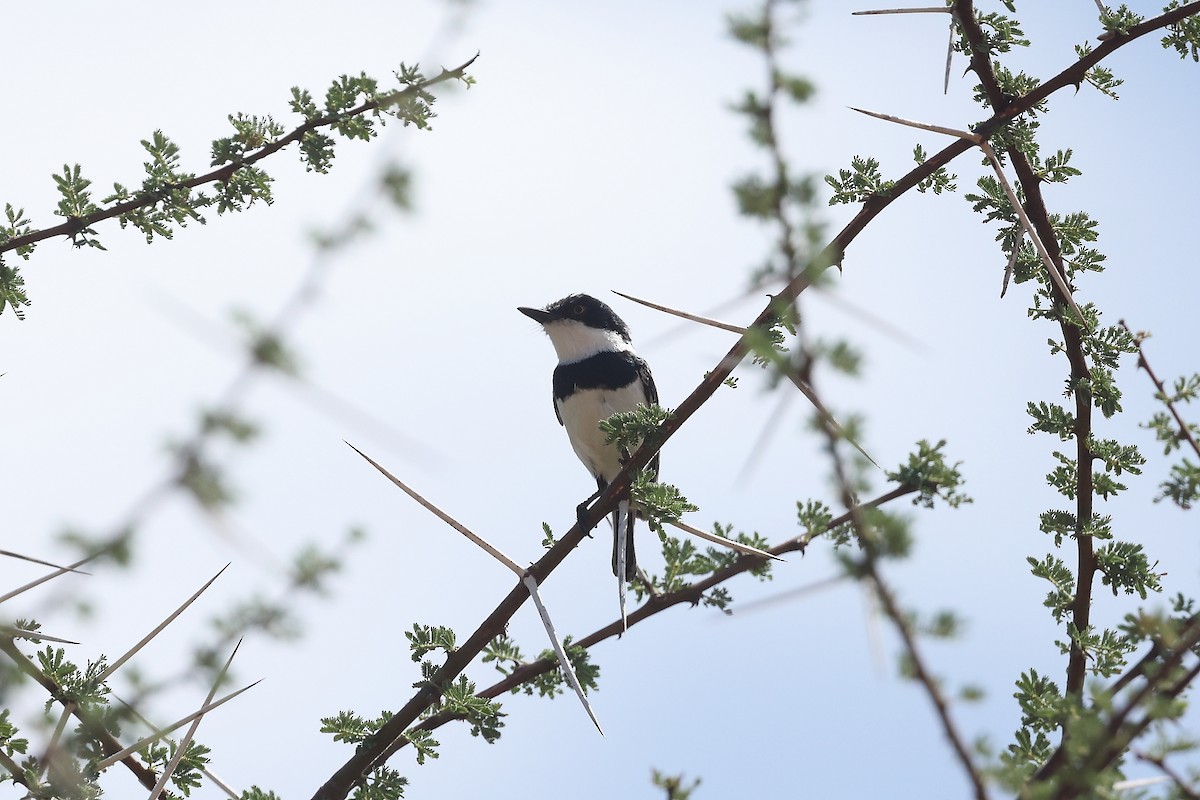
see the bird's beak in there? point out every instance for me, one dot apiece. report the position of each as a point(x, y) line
point(535, 314)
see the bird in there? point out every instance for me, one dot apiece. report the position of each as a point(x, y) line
point(598, 374)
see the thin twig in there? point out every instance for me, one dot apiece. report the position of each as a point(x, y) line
point(1184, 429)
point(1181, 784)
point(1035, 207)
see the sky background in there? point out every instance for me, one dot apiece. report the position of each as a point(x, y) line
point(595, 153)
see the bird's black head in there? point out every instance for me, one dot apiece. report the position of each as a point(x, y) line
point(582, 308)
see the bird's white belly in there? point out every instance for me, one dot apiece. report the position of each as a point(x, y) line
point(581, 414)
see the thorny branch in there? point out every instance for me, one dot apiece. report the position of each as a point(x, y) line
point(373, 752)
point(1035, 208)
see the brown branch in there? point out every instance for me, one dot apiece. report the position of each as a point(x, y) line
point(1184, 430)
point(1035, 208)
point(76, 225)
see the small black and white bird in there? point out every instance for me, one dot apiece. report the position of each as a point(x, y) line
point(598, 375)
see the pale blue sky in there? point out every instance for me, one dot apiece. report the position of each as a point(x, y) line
point(595, 153)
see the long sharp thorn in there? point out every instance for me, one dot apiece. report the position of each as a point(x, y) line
point(33, 560)
point(20, 633)
point(922, 10)
point(725, 326)
point(721, 540)
point(183, 744)
point(170, 618)
point(568, 671)
point(55, 574)
point(138, 745)
point(494, 552)
point(807, 391)
point(925, 126)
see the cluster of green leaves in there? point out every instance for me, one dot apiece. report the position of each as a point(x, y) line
point(504, 654)
point(628, 429)
point(864, 180)
point(456, 697)
point(1183, 37)
point(860, 183)
point(685, 563)
point(169, 197)
point(674, 785)
point(928, 472)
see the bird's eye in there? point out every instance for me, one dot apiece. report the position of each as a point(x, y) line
point(577, 311)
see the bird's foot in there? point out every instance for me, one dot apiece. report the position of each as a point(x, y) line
point(581, 514)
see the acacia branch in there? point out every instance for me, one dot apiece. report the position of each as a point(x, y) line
point(76, 225)
point(373, 752)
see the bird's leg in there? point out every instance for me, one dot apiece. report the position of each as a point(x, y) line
point(581, 510)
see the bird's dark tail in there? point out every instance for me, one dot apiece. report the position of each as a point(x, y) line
point(623, 517)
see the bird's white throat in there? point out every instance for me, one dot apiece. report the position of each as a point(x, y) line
point(574, 341)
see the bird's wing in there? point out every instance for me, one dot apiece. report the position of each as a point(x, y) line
point(643, 371)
